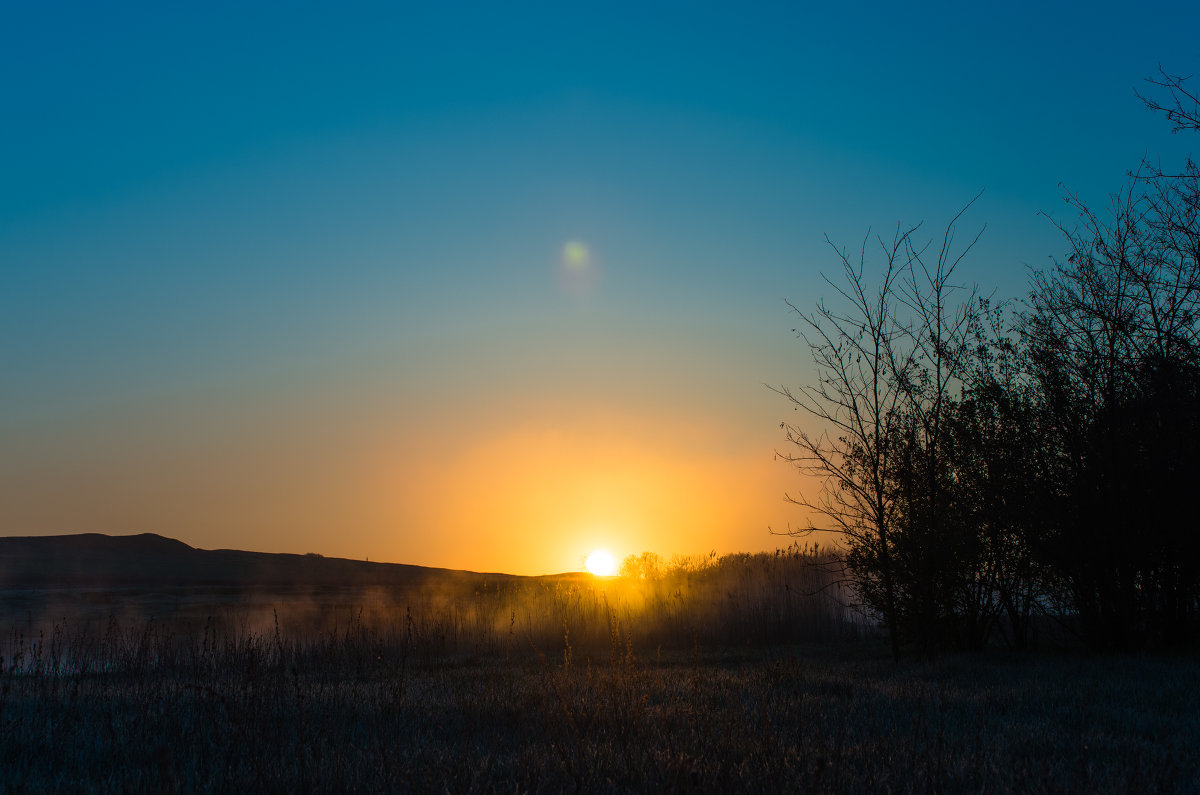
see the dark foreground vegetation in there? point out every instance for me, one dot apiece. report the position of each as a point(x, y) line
point(676, 685)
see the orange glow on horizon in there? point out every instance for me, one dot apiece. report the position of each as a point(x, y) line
point(528, 498)
point(526, 489)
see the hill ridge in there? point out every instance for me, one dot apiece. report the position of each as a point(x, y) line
point(98, 559)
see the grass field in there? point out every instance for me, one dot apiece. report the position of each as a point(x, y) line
point(707, 680)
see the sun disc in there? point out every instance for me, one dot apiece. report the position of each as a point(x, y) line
point(601, 563)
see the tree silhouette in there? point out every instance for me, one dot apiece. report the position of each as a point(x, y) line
point(886, 357)
point(1114, 339)
point(984, 467)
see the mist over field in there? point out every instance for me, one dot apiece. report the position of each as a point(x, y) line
point(702, 675)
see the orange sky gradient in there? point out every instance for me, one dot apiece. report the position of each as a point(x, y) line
point(502, 482)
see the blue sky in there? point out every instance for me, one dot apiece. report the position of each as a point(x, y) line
point(231, 231)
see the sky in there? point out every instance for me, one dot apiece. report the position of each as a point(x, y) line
point(490, 286)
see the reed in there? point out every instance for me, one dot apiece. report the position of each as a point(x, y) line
point(703, 678)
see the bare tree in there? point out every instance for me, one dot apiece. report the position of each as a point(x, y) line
point(940, 550)
point(856, 401)
point(885, 355)
point(1181, 107)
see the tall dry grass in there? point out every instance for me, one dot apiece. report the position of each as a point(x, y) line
point(728, 674)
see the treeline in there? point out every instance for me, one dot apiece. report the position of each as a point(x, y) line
point(992, 467)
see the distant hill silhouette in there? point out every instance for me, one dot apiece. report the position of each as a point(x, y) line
point(97, 560)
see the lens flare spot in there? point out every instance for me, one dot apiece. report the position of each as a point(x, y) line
point(575, 255)
point(601, 563)
point(578, 269)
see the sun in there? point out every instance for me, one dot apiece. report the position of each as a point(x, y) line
point(601, 563)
